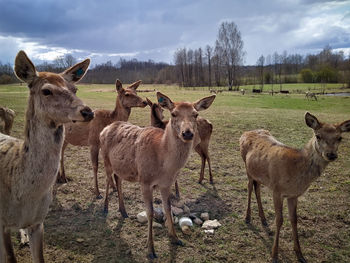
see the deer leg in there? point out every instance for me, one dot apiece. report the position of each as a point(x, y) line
point(165, 193)
point(250, 189)
point(292, 209)
point(94, 160)
point(36, 240)
point(61, 175)
point(177, 192)
point(210, 174)
point(200, 152)
point(108, 169)
point(258, 199)
point(147, 193)
point(121, 198)
point(6, 250)
point(278, 204)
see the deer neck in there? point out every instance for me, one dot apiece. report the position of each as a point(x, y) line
point(41, 151)
point(315, 164)
point(120, 112)
point(155, 121)
point(176, 151)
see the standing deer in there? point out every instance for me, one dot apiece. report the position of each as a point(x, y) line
point(87, 134)
point(288, 172)
point(151, 156)
point(310, 95)
point(204, 131)
point(28, 167)
point(7, 116)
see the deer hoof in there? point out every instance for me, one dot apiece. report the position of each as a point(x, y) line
point(178, 242)
point(247, 220)
point(124, 214)
point(264, 222)
point(99, 196)
point(152, 256)
point(61, 180)
point(274, 260)
point(105, 211)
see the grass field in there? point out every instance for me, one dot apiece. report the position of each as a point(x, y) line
point(77, 231)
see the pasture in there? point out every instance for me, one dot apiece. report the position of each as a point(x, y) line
point(76, 230)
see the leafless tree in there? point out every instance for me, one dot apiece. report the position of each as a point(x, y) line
point(231, 48)
point(260, 64)
point(209, 51)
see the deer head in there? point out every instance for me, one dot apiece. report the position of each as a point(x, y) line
point(128, 97)
point(184, 115)
point(327, 136)
point(54, 95)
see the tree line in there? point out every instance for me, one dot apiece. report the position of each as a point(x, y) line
point(217, 65)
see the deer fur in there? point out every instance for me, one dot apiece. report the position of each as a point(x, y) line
point(151, 156)
point(204, 131)
point(310, 95)
point(28, 167)
point(6, 117)
point(87, 134)
point(288, 172)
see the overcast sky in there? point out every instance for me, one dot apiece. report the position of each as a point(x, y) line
point(154, 29)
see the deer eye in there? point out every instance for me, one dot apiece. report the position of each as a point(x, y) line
point(318, 137)
point(339, 139)
point(173, 114)
point(46, 92)
point(195, 115)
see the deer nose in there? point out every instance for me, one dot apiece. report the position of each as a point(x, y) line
point(87, 114)
point(145, 103)
point(187, 135)
point(332, 156)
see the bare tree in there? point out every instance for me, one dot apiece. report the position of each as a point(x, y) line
point(231, 47)
point(260, 64)
point(209, 51)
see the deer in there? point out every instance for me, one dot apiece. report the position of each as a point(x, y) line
point(7, 116)
point(87, 134)
point(28, 167)
point(310, 95)
point(204, 131)
point(152, 157)
point(287, 171)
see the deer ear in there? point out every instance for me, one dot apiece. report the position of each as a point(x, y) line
point(118, 86)
point(135, 85)
point(165, 101)
point(344, 126)
point(312, 121)
point(76, 72)
point(150, 103)
point(204, 103)
point(24, 68)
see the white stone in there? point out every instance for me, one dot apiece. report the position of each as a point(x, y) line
point(185, 221)
point(177, 211)
point(211, 224)
point(142, 217)
point(209, 231)
point(197, 221)
point(157, 225)
point(205, 216)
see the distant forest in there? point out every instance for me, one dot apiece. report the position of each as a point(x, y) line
point(220, 65)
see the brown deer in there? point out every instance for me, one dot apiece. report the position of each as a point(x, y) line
point(151, 156)
point(288, 172)
point(87, 134)
point(28, 167)
point(205, 129)
point(6, 117)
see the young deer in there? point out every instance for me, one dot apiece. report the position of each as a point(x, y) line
point(205, 129)
point(28, 168)
point(7, 116)
point(151, 156)
point(87, 134)
point(288, 172)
